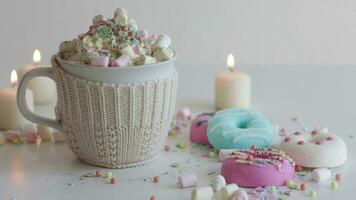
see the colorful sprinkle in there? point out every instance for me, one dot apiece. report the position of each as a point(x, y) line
point(253, 147)
point(297, 133)
point(329, 138)
point(153, 198)
point(334, 185)
point(312, 193)
point(97, 173)
point(314, 132)
point(302, 187)
point(212, 154)
point(156, 179)
point(113, 180)
point(180, 145)
point(338, 177)
point(301, 142)
point(298, 168)
point(167, 147)
point(318, 142)
point(174, 165)
point(291, 184)
point(287, 139)
point(108, 175)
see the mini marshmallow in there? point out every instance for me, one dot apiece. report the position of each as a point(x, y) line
point(102, 61)
point(97, 19)
point(188, 180)
point(128, 50)
point(218, 183)
point(163, 41)
point(122, 61)
point(183, 115)
point(145, 60)
point(32, 137)
point(121, 16)
point(240, 194)
point(202, 193)
point(58, 137)
point(226, 192)
point(46, 133)
point(225, 153)
point(11, 135)
point(321, 174)
point(163, 54)
point(2, 138)
point(132, 24)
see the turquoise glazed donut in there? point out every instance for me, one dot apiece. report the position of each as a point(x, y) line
point(237, 128)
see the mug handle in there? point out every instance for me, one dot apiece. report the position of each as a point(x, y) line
point(21, 94)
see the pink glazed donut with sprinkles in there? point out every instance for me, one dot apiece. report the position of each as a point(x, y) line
point(258, 167)
point(198, 128)
point(318, 148)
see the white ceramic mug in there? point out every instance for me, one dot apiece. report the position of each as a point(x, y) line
point(98, 108)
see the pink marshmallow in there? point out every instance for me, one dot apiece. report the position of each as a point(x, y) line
point(32, 137)
point(102, 61)
point(11, 135)
point(183, 115)
point(188, 180)
point(122, 61)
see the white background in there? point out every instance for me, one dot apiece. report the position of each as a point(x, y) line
point(262, 33)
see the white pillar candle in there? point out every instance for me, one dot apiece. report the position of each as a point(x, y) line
point(10, 116)
point(232, 89)
point(43, 88)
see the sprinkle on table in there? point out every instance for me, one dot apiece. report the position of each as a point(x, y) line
point(174, 165)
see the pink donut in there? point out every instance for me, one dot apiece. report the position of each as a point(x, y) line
point(258, 168)
point(198, 128)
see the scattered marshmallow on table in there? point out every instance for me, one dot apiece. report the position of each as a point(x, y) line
point(30, 132)
point(188, 180)
point(183, 115)
point(202, 193)
point(240, 194)
point(218, 183)
point(227, 191)
point(58, 137)
point(11, 135)
point(46, 133)
point(321, 174)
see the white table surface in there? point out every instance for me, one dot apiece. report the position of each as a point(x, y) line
point(317, 96)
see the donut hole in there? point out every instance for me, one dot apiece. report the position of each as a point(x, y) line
point(242, 125)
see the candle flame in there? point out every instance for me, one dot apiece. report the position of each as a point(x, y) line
point(13, 77)
point(36, 56)
point(230, 61)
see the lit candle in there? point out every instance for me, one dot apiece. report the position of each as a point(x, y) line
point(232, 88)
point(43, 88)
point(10, 116)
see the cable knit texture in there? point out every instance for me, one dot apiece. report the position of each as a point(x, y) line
point(115, 125)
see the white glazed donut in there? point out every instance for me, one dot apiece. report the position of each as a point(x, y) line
point(316, 149)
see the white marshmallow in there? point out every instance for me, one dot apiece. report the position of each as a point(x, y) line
point(240, 194)
point(132, 24)
point(218, 183)
point(226, 192)
point(321, 174)
point(128, 50)
point(202, 193)
point(121, 16)
point(163, 41)
point(163, 54)
point(145, 60)
point(58, 137)
point(46, 133)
